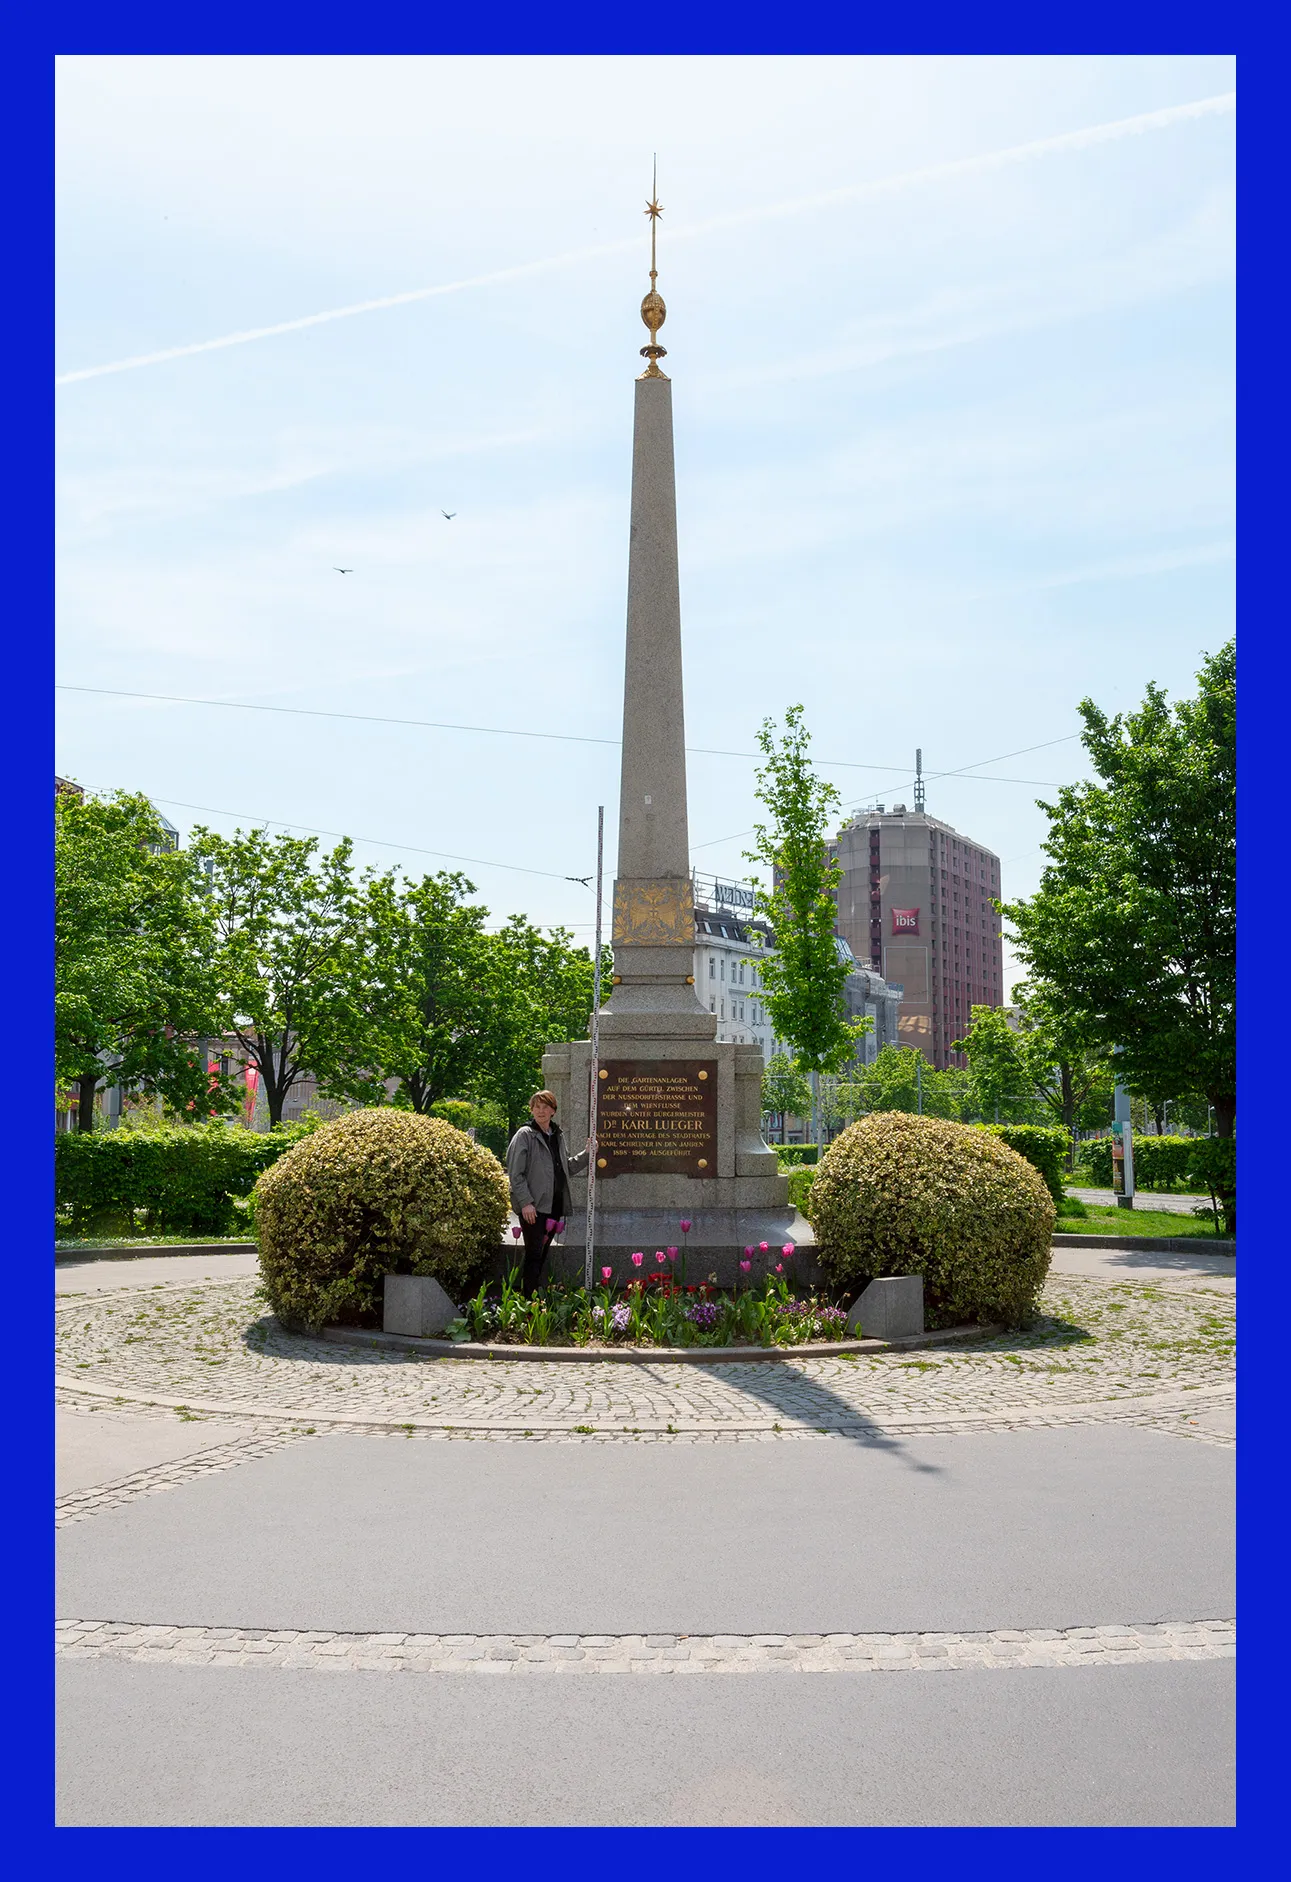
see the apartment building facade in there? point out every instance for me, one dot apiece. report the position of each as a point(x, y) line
point(915, 903)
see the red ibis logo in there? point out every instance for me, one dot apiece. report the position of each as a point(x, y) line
point(905, 921)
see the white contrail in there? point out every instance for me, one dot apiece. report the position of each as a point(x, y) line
point(964, 166)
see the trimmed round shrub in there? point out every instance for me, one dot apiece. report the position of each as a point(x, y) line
point(901, 1194)
point(374, 1193)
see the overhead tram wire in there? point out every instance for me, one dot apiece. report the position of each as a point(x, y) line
point(964, 773)
point(570, 738)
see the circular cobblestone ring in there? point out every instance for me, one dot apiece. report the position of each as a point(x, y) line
point(1102, 1351)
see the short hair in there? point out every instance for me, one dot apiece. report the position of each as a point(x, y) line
point(548, 1097)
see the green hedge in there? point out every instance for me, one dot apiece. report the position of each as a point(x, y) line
point(790, 1155)
point(1046, 1146)
point(1159, 1162)
point(180, 1180)
point(800, 1182)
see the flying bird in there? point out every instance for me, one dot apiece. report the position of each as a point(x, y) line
point(342, 571)
point(448, 515)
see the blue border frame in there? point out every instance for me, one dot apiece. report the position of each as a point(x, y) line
point(756, 26)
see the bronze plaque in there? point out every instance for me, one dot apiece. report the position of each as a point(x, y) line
point(657, 1117)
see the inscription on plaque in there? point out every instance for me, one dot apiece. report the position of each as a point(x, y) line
point(657, 1117)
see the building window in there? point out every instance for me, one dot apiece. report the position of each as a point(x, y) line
point(712, 968)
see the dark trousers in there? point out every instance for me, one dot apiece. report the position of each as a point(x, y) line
point(537, 1240)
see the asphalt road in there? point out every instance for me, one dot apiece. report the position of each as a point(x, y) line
point(156, 1745)
point(1068, 1527)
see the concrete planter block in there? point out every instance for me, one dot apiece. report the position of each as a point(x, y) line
point(416, 1304)
point(890, 1309)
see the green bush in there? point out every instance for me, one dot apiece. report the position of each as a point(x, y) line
point(902, 1194)
point(374, 1193)
point(800, 1182)
point(181, 1178)
point(1159, 1162)
point(1046, 1146)
point(790, 1155)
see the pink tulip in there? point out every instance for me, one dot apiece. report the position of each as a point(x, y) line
point(606, 1273)
point(637, 1259)
point(685, 1226)
point(779, 1267)
point(672, 1254)
point(749, 1250)
point(787, 1250)
point(763, 1246)
point(517, 1232)
point(551, 1223)
point(560, 1226)
point(660, 1257)
point(745, 1266)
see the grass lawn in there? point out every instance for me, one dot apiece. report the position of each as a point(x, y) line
point(70, 1245)
point(1098, 1219)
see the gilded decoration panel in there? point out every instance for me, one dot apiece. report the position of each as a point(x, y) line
point(655, 914)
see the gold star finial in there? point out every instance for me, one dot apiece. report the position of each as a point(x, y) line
point(653, 311)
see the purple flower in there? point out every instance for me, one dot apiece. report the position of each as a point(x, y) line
point(685, 1226)
point(551, 1223)
point(703, 1315)
point(749, 1251)
point(745, 1266)
point(560, 1226)
point(672, 1254)
point(517, 1232)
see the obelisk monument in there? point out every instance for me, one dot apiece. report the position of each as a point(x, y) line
point(679, 1132)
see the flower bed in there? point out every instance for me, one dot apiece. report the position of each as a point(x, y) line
point(654, 1310)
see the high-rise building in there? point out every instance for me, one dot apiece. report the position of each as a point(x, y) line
point(915, 902)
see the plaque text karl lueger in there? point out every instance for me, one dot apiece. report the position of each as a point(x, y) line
point(657, 1117)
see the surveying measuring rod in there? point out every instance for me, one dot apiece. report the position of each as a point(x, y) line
point(590, 1253)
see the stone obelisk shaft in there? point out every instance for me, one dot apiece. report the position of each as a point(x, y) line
point(654, 922)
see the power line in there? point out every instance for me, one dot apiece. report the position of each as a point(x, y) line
point(378, 842)
point(506, 731)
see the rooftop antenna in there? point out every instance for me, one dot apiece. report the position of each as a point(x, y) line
point(918, 783)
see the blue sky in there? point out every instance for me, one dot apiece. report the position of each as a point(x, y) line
point(954, 436)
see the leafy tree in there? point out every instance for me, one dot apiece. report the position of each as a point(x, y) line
point(1000, 1082)
point(134, 987)
point(785, 1090)
point(805, 975)
point(899, 1078)
point(1070, 1070)
point(1134, 923)
point(436, 986)
point(292, 960)
point(541, 991)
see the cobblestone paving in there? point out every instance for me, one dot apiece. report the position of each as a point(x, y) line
point(1102, 1350)
point(516, 1654)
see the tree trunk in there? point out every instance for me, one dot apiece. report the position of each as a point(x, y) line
point(86, 1086)
point(1224, 1105)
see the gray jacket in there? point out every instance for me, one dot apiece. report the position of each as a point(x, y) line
point(531, 1172)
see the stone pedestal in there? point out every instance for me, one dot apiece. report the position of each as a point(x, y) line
point(739, 1200)
point(416, 1304)
point(889, 1309)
